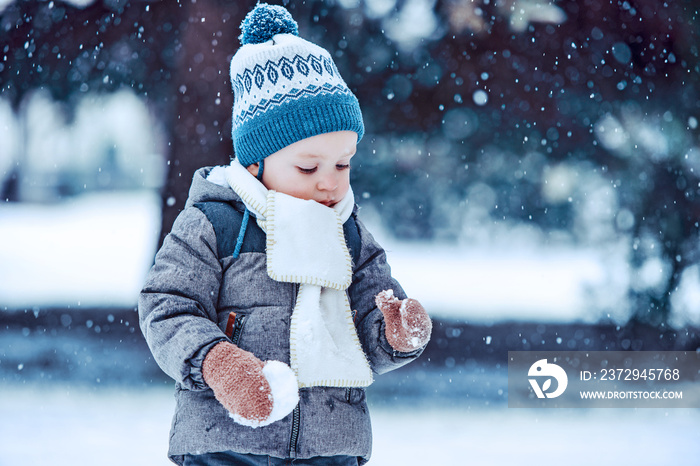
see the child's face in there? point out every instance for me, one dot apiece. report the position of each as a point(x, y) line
point(315, 168)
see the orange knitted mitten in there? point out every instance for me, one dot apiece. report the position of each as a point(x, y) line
point(408, 326)
point(238, 382)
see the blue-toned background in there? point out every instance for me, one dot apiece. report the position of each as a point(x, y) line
point(531, 166)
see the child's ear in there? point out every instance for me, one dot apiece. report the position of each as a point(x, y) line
point(253, 169)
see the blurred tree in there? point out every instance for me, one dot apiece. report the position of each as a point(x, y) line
point(202, 97)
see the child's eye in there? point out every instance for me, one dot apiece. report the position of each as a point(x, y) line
point(306, 171)
point(341, 166)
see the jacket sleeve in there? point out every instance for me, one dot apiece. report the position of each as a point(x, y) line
point(372, 275)
point(177, 306)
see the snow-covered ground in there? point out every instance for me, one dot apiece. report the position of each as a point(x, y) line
point(66, 425)
point(95, 251)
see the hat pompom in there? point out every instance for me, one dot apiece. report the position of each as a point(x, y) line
point(264, 21)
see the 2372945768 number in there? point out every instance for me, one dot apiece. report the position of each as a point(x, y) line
point(640, 374)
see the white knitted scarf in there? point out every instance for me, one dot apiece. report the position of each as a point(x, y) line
point(306, 245)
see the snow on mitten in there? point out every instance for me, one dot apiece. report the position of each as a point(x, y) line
point(408, 326)
point(255, 393)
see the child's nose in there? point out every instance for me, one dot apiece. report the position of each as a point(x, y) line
point(329, 182)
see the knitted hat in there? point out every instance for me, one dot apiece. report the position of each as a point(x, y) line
point(285, 88)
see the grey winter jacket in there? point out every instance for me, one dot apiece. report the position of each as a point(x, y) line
point(183, 311)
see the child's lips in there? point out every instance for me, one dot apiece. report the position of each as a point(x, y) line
point(328, 203)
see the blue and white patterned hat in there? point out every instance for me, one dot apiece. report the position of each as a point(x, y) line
point(285, 88)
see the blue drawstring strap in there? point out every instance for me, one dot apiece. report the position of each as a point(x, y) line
point(244, 222)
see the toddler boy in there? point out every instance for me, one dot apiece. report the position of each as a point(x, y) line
point(269, 303)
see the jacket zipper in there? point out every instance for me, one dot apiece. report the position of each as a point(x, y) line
point(237, 329)
point(295, 433)
point(296, 415)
